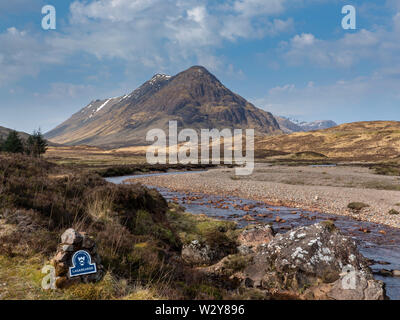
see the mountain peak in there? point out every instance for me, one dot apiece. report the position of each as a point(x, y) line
point(197, 69)
point(160, 76)
point(195, 98)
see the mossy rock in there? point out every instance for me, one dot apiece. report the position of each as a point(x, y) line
point(393, 212)
point(330, 225)
point(357, 206)
point(237, 262)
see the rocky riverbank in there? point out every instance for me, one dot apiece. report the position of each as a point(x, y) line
point(311, 188)
point(312, 263)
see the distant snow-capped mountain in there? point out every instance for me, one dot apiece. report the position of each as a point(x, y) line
point(290, 125)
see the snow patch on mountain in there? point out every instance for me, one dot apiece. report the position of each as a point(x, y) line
point(290, 125)
point(102, 106)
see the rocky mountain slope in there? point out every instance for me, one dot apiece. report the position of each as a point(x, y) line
point(195, 98)
point(290, 125)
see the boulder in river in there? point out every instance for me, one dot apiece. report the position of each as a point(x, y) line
point(315, 262)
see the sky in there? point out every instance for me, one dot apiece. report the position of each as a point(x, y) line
point(289, 57)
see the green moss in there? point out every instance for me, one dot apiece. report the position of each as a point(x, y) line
point(201, 292)
point(103, 290)
point(237, 262)
point(191, 227)
point(330, 225)
point(145, 225)
point(23, 278)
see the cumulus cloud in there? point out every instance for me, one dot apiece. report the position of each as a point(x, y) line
point(382, 46)
point(351, 49)
point(150, 33)
point(21, 54)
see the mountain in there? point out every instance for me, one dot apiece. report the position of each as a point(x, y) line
point(287, 125)
point(195, 98)
point(5, 131)
point(371, 140)
point(317, 125)
point(291, 125)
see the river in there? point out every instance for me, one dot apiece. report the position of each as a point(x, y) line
point(376, 242)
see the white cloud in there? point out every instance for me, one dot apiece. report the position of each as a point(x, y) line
point(252, 8)
point(149, 33)
point(344, 52)
point(343, 97)
point(380, 45)
point(303, 40)
point(22, 54)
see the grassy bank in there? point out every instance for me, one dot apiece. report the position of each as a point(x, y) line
point(138, 234)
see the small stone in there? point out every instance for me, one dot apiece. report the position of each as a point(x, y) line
point(70, 236)
point(385, 273)
point(396, 273)
point(61, 269)
point(68, 247)
point(249, 283)
point(61, 257)
point(61, 282)
point(247, 217)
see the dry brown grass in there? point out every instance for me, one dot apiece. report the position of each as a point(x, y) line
point(375, 140)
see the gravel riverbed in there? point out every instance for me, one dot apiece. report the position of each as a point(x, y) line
point(311, 188)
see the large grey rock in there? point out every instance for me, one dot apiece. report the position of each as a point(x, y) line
point(308, 257)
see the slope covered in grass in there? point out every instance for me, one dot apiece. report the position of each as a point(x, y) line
point(138, 235)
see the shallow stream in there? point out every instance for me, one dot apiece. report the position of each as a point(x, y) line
point(376, 242)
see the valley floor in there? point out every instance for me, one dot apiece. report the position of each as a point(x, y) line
point(324, 189)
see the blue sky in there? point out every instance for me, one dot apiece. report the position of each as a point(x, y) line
point(290, 57)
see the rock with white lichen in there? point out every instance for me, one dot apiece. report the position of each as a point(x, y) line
point(315, 262)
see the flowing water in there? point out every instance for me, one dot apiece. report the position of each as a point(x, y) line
point(376, 242)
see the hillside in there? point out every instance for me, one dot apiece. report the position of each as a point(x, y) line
point(5, 131)
point(195, 98)
point(375, 140)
